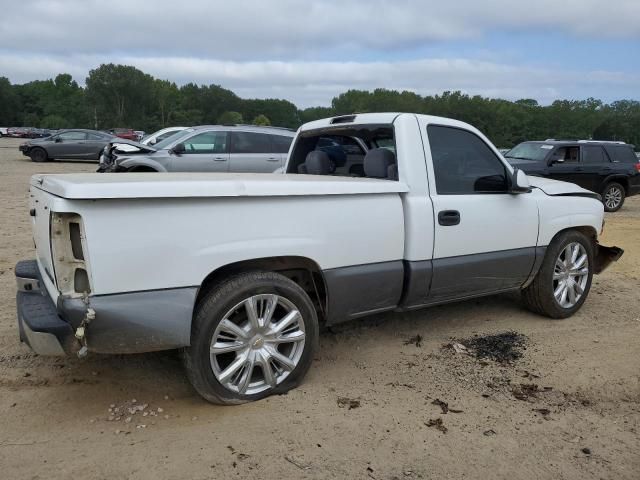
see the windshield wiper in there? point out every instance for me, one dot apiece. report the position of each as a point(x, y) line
point(518, 158)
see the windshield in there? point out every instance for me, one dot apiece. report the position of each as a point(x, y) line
point(177, 136)
point(529, 151)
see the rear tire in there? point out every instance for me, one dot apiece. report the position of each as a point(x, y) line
point(613, 197)
point(546, 295)
point(38, 155)
point(236, 357)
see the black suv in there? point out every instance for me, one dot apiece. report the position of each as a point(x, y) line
point(608, 168)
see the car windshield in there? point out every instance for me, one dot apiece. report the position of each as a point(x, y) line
point(168, 141)
point(529, 151)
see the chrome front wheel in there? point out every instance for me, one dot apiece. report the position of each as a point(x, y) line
point(570, 275)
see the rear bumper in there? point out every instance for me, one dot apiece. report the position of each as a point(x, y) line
point(633, 190)
point(39, 324)
point(133, 322)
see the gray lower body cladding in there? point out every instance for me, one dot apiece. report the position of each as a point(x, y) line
point(135, 322)
point(124, 323)
point(146, 321)
point(403, 285)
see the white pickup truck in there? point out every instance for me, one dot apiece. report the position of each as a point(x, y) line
point(240, 270)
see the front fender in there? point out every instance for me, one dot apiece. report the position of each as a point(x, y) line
point(134, 162)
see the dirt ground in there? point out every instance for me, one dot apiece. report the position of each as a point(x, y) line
point(578, 416)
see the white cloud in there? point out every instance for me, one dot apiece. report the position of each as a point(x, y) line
point(255, 29)
point(308, 83)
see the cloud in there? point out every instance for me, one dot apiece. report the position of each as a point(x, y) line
point(284, 29)
point(309, 83)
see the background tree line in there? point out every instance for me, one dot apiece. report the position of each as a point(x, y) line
point(123, 96)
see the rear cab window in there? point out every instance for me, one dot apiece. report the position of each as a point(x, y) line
point(346, 147)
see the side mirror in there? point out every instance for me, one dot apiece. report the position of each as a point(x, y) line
point(58, 140)
point(178, 149)
point(519, 182)
point(556, 160)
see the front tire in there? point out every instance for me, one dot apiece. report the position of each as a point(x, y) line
point(613, 197)
point(38, 155)
point(253, 335)
point(563, 282)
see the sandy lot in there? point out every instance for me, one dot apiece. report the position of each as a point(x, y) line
point(55, 412)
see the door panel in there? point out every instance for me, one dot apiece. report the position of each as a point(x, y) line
point(253, 152)
point(204, 152)
point(71, 145)
point(485, 237)
point(481, 273)
point(491, 248)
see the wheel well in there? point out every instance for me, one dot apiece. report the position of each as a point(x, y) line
point(585, 229)
point(624, 181)
point(33, 149)
point(142, 168)
point(303, 271)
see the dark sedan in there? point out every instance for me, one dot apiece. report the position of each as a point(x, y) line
point(67, 144)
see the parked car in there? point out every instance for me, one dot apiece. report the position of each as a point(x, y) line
point(241, 270)
point(17, 132)
point(608, 168)
point(67, 144)
point(212, 148)
point(161, 135)
point(127, 133)
point(3, 131)
point(139, 135)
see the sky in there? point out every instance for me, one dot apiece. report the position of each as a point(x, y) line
point(310, 51)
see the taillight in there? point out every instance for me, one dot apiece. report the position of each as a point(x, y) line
point(638, 167)
point(68, 252)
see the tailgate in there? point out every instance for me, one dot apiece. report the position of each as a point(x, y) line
point(40, 210)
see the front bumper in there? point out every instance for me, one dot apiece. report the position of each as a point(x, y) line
point(605, 256)
point(39, 324)
point(24, 149)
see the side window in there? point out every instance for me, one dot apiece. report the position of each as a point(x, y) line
point(566, 154)
point(593, 154)
point(463, 163)
point(72, 136)
point(93, 136)
point(280, 143)
point(207, 142)
point(248, 142)
point(622, 153)
point(164, 136)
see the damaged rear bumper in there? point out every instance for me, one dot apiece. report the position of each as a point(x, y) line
point(605, 256)
point(134, 322)
point(39, 324)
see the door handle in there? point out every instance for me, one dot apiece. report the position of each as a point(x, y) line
point(273, 159)
point(447, 218)
point(219, 159)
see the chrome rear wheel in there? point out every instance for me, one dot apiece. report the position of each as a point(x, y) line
point(257, 344)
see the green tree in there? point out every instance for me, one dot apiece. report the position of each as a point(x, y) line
point(121, 95)
point(261, 120)
point(230, 118)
